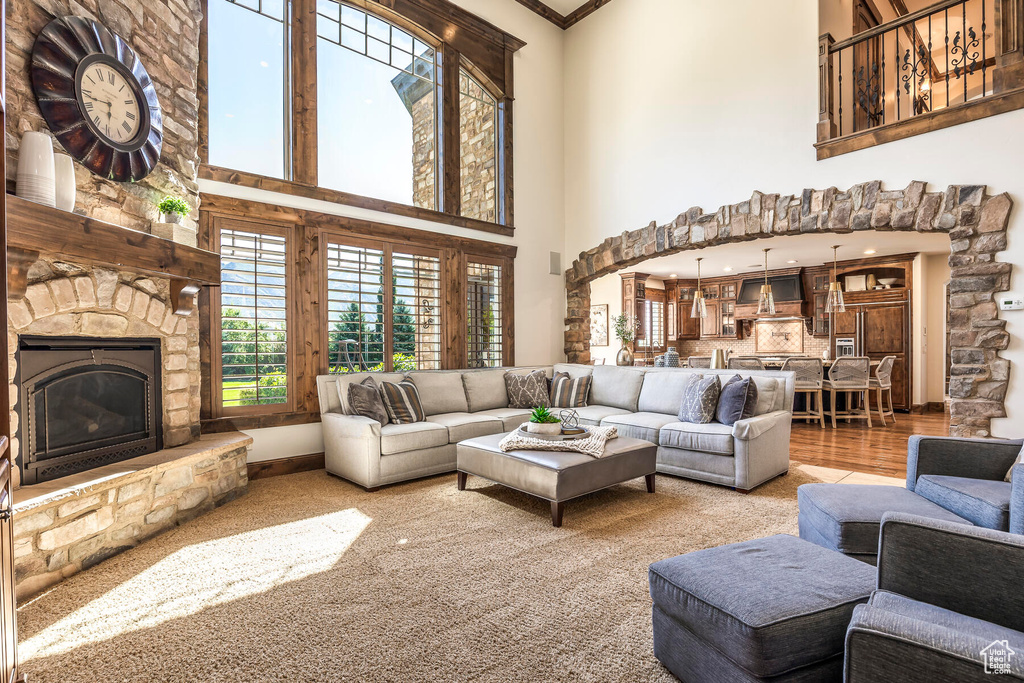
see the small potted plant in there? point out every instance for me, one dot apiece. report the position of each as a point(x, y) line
point(543, 422)
point(172, 209)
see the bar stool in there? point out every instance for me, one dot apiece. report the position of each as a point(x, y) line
point(849, 375)
point(809, 375)
point(699, 362)
point(745, 364)
point(882, 382)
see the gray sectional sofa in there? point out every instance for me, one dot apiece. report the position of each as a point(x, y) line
point(640, 402)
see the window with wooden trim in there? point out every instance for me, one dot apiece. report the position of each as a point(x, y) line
point(248, 101)
point(485, 338)
point(653, 329)
point(383, 307)
point(253, 342)
point(478, 149)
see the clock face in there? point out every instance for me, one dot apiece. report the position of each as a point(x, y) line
point(97, 98)
point(109, 101)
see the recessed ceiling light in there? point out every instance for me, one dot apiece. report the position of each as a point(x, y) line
point(674, 275)
point(727, 269)
point(792, 260)
point(869, 252)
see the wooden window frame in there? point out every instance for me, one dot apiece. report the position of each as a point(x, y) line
point(218, 408)
point(507, 288)
point(462, 39)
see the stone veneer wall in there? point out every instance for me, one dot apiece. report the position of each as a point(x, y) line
point(64, 299)
point(975, 221)
point(165, 35)
point(62, 535)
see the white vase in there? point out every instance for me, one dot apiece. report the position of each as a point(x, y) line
point(35, 180)
point(549, 428)
point(64, 185)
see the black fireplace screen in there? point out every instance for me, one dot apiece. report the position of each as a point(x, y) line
point(86, 403)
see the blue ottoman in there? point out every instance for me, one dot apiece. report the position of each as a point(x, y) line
point(774, 609)
point(847, 517)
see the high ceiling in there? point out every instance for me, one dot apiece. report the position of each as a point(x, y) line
point(792, 252)
point(563, 7)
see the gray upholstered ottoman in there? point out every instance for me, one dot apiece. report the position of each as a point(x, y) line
point(774, 609)
point(557, 476)
point(847, 517)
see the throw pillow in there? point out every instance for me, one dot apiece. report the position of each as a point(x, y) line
point(700, 398)
point(365, 400)
point(527, 391)
point(1018, 461)
point(402, 401)
point(569, 393)
point(737, 401)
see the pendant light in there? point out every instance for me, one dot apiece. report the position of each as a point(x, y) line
point(835, 303)
point(700, 309)
point(766, 300)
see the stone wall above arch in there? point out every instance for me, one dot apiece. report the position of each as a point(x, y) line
point(975, 221)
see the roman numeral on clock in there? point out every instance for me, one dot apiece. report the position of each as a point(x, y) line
point(124, 124)
point(128, 114)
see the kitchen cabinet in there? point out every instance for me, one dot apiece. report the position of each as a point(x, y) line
point(881, 329)
point(721, 322)
point(682, 291)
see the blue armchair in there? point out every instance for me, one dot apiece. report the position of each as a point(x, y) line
point(966, 477)
point(948, 604)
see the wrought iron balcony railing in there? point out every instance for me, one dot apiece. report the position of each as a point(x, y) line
point(928, 69)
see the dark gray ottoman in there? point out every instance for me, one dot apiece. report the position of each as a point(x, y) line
point(774, 609)
point(847, 517)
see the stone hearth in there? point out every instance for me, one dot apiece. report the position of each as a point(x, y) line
point(975, 221)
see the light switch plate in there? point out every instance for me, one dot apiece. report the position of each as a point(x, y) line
point(1010, 302)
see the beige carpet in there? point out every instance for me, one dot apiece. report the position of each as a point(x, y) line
point(309, 578)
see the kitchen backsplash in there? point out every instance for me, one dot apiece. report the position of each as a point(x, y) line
point(812, 346)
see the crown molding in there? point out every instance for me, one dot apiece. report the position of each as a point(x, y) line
point(563, 21)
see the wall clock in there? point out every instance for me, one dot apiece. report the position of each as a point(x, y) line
point(97, 98)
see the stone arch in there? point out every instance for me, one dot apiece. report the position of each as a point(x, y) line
point(975, 221)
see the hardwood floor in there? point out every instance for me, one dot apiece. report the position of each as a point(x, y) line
point(881, 450)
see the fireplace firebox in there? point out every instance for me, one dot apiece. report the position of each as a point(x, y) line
point(86, 402)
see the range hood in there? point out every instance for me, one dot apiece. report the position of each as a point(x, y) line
point(789, 297)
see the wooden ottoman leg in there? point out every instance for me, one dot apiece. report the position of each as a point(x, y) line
point(462, 480)
point(649, 478)
point(556, 513)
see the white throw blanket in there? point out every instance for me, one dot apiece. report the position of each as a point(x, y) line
point(592, 445)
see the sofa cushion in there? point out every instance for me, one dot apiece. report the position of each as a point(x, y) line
point(485, 390)
point(662, 391)
point(341, 383)
point(639, 425)
point(414, 436)
point(737, 400)
point(441, 392)
point(511, 417)
point(402, 401)
point(616, 387)
point(527, 391)
point(721, 594)
point(569, 393)
point(768, 398)
point(700, 399)
point(984, 503)
point(366, 401)
point(574, 370)
point(462, 426)
point(711, 437)
point(593, 414)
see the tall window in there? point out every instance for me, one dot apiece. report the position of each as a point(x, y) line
point(383, 308)
point(248, 120)
point(377, 107)
point(484, 311)
point(254, 334)
point(478, 142)
point(654, 320)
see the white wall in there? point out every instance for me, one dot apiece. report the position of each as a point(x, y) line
point(607, 290)
point(935, 330)
point(539, 206)
point(675, 103)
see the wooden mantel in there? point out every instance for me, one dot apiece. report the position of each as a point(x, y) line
point(34, 230)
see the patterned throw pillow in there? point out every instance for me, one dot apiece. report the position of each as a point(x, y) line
point(700, 399)
point(737, 401)
point(365, 400)
point(527, 391)
point(402, 401)
point(569, 393)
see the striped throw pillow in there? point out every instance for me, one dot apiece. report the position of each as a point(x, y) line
point(402, 401)
point(569, 393)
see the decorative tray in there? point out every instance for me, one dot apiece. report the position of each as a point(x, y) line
point(580, 433)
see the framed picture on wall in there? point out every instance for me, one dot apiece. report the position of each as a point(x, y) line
point(599, 325)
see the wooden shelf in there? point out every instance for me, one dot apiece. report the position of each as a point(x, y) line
point(34, 230)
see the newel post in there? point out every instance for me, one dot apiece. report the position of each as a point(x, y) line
point(826, 124)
